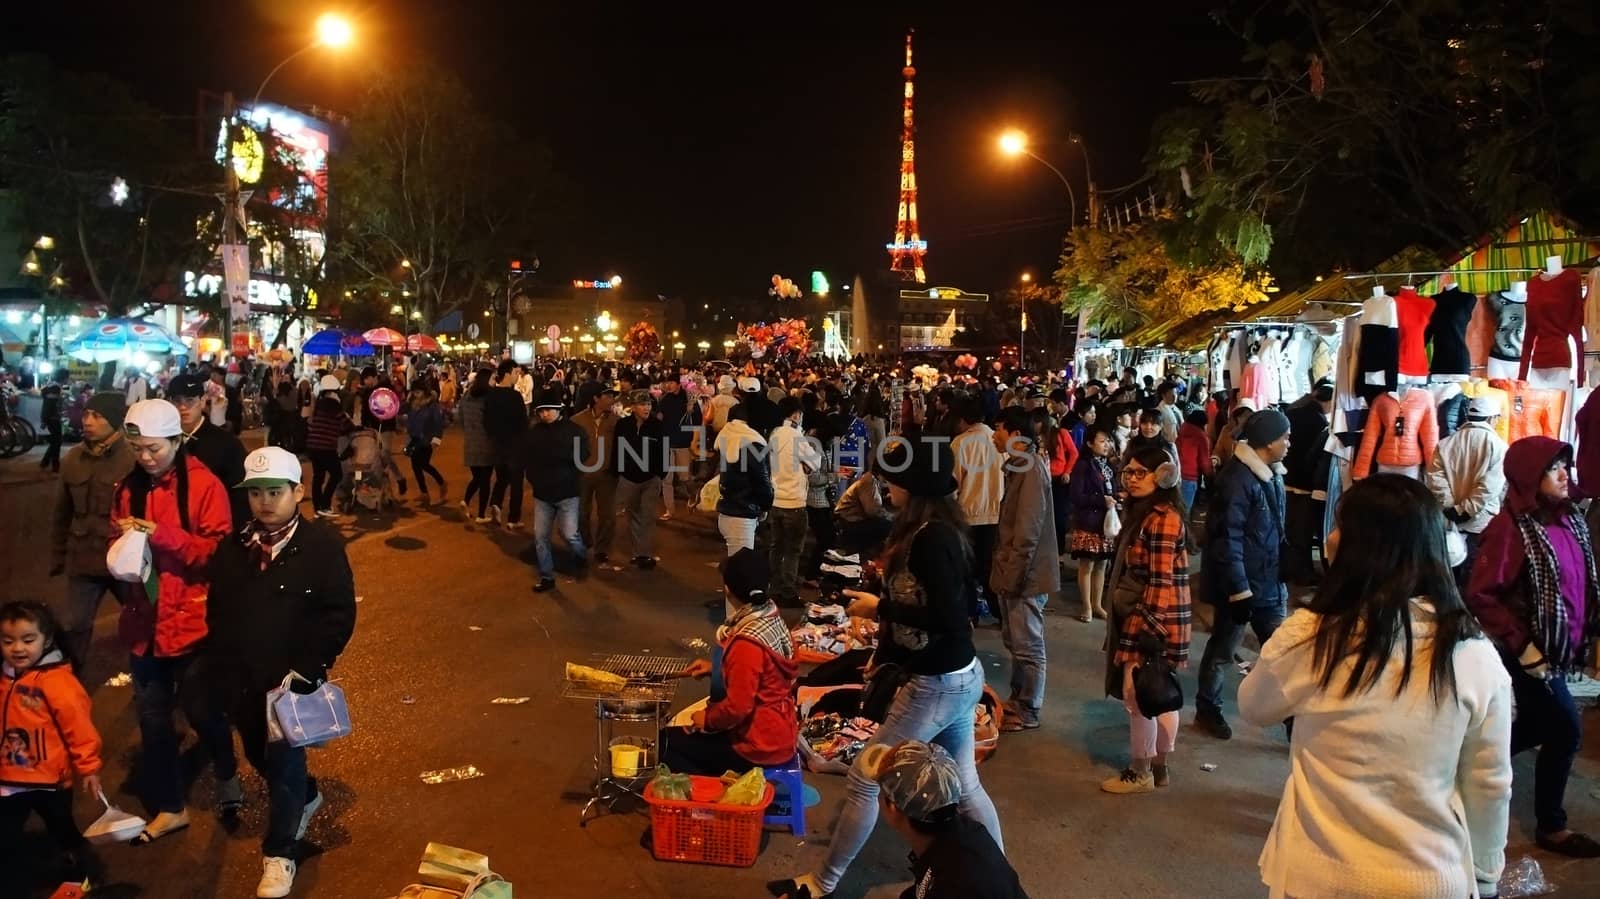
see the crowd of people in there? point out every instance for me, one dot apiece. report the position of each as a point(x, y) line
point(1428, 608)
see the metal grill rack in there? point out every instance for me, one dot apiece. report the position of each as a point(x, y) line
point(642, 703)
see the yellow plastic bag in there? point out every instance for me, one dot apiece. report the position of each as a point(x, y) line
point(749, 789)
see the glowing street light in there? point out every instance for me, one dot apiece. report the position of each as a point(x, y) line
point(603, 322)
point(616, 280)
point(1027, 277)
point(395, 309)
point(334, 30)
point(45, 242)
point(1013, 143)
point(727, 344)
point(704, 345)
point(678, 346)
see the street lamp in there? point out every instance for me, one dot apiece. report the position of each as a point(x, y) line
point(45, 242)
point(1014, 143)
point(1022, 328)
point(334, 30)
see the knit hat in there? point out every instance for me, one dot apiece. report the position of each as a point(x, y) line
point(1263, 427)
point(746, 574)
point(152, 418)
point(919, 779)
point(1482, 408)
point(924, 468)
point(112, 407)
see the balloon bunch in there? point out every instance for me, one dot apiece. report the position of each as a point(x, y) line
point(967, 361)
point(642, 342)
point(783, 288)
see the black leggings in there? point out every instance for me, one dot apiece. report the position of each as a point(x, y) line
point(821, 521)
point(55, 808)
point(422, 463)
point(326, 473)
point(481, 475)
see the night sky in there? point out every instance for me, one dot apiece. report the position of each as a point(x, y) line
point(708, 152)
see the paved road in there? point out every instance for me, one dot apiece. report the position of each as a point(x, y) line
point(447, 623)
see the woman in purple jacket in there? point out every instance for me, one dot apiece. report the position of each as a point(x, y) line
point(1533, 589)
point(1093, 486)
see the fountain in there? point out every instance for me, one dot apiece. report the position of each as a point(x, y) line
point(859, 334)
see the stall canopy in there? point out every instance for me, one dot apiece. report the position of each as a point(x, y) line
point(1524, 243)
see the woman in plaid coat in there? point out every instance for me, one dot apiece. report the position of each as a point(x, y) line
point(1149, 606)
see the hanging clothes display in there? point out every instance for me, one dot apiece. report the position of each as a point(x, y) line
point(1586, 428)
point(1322, 358)
point(1531, 411)
point(1555, 313)
point(1591, 310)
point(1451, 405)
point(1502, 400)
point(1269, 358)
point(1510, 318)
point(1401, 433)
point(1378, 358)
point(1447, 331)
point(1414, 312)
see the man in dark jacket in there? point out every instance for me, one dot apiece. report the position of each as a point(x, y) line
point(505, 420)
point(597, 488)
point(641, 446)
point(1239, 571)
point(680, 417)
point(282, 607)
point(1305, 481)
point(555, 446)
point(80, 531)
point(219, 451)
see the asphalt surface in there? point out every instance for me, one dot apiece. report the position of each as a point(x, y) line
point(447, 623)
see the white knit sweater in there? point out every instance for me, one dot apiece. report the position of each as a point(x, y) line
point(1389, 797)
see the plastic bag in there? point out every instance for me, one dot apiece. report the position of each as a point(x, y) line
point(1524, 878)
point(667, 785)
point(115, 826)
point(711, 494)
point(1112, 526)
point(748, 788)
point(128, 559)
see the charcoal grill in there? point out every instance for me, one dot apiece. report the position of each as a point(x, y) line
point(642, 703)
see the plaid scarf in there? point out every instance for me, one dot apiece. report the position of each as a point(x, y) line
point(260, 541)
point(1551, 632)
point(760, 622)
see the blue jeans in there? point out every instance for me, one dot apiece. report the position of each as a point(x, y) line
point(934, 709)
point(289, 785)
point(1548, 719)
point(1226, 635)
point(543, 514)
point(159, 685)
point(1023, 635)
point(1189, 489)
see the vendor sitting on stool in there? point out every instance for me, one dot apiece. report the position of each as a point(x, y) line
point(755, 724)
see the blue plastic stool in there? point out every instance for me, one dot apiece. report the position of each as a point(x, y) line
point(789, 782)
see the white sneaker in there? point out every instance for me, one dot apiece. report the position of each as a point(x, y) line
point(277, 878)
point(494, 512)
point(305, 817)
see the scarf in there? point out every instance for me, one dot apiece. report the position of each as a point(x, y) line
point(1107, 477)
point(1551, 632)
point(760, 622)
point(260, 541)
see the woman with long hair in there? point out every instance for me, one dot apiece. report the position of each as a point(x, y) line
point(1092, 493)
point(927, 576)
point(477, 449)
point(1149, 609)
point(1400, 763)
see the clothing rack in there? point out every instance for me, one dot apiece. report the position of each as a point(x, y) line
point(1451, 271)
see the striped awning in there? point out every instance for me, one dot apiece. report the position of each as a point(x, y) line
point(1523, 244)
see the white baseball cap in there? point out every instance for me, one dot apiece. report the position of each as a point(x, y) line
point(749, 385)
point(270, 466)
point(329, 382)
point(152, 418)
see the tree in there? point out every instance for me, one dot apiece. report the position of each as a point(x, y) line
point(431, 181)
point(1125, 278)
point(1360, 127)
point(65, 138)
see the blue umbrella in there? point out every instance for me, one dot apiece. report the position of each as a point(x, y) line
point(113, 339)
point(334, 342)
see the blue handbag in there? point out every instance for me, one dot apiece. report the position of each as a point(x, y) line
point(310, 719)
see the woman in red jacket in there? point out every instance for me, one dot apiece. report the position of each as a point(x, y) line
point(182, 509)
point(755, 724)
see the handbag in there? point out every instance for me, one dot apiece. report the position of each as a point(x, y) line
point(1155, 683)
point(309, 719)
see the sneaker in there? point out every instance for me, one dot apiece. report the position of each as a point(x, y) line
point(483, 519)
point(1212, 722)
point(494, 512)
point(1130, 781)
point(545, 585)
point(327, 513)
point(277, 878)
point(514, 525)
point(305, 815)
point(464, 509)
point(644, 562)
point(1162, 775)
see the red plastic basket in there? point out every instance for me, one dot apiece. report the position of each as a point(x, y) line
point(705, 832)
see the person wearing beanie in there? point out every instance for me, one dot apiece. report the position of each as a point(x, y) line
point(80, 529)
point(927, 640)
point(1239, 570)
point(755, 723)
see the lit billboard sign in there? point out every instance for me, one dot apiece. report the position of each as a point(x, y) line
point(944, 293)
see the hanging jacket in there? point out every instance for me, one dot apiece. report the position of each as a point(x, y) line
point(1399, 432)
point(1555, 313)
point(1452, 414)
point(50, 710)
point(1466, 475)
point(1531, 411)
point(176, 622)
point(1478, 388)
point(1414, 312)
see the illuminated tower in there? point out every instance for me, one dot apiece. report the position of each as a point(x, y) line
point(908, 249)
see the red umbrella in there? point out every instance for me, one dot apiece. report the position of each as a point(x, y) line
point(422, 343)
point(384, 337)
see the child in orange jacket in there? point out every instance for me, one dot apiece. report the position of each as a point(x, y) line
point(49, 739)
